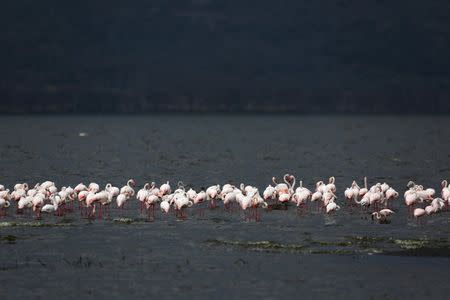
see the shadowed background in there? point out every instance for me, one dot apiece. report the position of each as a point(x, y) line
point(206, 55)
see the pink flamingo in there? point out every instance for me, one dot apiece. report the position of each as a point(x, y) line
point(382, 215)
point(419, 213)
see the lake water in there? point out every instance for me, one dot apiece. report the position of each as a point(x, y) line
point(215, 253)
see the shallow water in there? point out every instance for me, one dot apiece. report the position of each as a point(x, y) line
point(215, 253)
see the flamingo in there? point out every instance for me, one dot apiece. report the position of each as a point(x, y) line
point(121, 200)
point(4, 204)
point(269, 193)
point(150, 203)
point(142, 195)
point(411, 199)
point(375, 188)
point(52, 190)
point(128, 189)
point(165, 206)
point(102, 198)
point(246, 189)
point(67, 195)
point(58, 201)
point(18, 193)
point(426, 195)
point(227, 188)
point(256, 202)
point(285, 190)
point(384, 187)
point(80, 187)
point(429, 209)
point(316, 197)
point(180, 188)
point(94, 187)
point(419, 212)
point(376, 196)
point(365, 200)
point(164, 189)
point(21, 186)
point(200, 197)
point(33, 191)
point(38, 202)
point(211, 194)
point(301, 195)
point(181, 201)
point(25, 202)
point(5, 195)
point(281, 187)
point(230, 197)
point(301, 198)
point(47, 184)
point(438, 204)
point(154, 190)
point(328, 197)
point(302, 189)
point(391, 194)
point(113, 190)
point(284, 197)
point(349, 193)
point(332, 206)
point(321, 187)
point(244, 200)
point(331, 184)
point(191, 194)
point(49, 208)
point(382, 215)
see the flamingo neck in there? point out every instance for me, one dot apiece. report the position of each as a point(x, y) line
point(274, 180)
point(285, 180)
point(293, 184)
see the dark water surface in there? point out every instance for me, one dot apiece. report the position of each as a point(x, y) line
point(219, 254)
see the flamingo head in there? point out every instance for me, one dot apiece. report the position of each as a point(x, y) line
point(410, 184)
point(82, 196)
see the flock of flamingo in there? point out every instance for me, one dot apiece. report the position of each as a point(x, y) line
point(94, 202)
